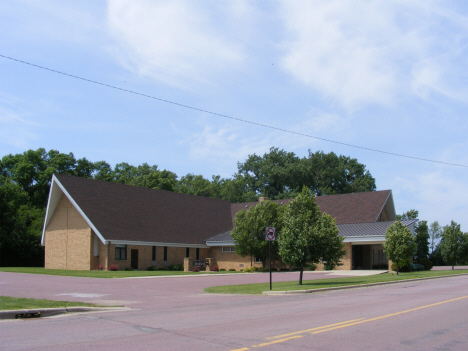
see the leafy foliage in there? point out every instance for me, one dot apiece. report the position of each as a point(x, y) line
point(454, 244)
point(399, 244)
point(308, 236)
point(435, 233)
point(411, 214)
point(422, 241)
point(249, 232)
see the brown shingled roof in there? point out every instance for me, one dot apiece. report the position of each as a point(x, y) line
point(346, 208)
point(130, 213)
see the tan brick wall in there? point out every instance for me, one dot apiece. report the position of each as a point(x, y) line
point(67, 239)
point(230, 260)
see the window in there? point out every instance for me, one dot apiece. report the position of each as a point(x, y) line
point(258, 260)
point(229, 249)
point(165, 253)
point(96, 246)
point(121, 252)
point(153, 256)
point(187, 252)
point(198, 253)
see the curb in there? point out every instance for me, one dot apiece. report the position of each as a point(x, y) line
point(292, 292)
point(49, 312)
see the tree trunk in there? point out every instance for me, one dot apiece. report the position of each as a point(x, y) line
point(300, 275)
point(397, 268)
point(452, 267)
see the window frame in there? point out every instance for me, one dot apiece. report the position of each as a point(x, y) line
point(120, 249)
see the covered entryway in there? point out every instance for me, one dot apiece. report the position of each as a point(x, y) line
point(361, 257)
point(134, 259)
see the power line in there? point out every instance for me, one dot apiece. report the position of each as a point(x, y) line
point(230, 117)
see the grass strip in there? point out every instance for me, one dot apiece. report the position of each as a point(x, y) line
point(18, 303)
point(99, 274)
point(325, 283)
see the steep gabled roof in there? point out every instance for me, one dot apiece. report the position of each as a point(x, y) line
point(345, 208)
point(120, 212)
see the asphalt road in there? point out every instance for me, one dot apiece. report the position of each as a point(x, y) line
point(174, 314)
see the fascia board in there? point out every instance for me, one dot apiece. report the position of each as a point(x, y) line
point(385, 203)
point(54, 197)
point(220, 243)
point(377, 239)
point(80, 211)
point(150, 243)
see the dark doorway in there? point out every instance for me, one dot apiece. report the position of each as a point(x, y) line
point(134, 259)
point(357, 256)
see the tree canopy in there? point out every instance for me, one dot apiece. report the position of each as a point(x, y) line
point(421, 239)
point(308, 236)
point(411, 214)
point(399, 243)
point(454, 244)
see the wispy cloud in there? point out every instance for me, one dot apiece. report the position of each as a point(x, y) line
point(177, 43)
point(373, 52)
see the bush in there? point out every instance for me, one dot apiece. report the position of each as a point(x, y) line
point(128, 269)
point(329, 266)
point(403, 267)
point(249, 269)
point(427, 264)
point(232, 270)
point(284, 269)
point(264, 269)
point(113, 267)
point(196, 269)
point(152, 268)
point(416, 267)
point(312, 267)
point(222, 270)
point(100, 267)
point(175, 267)
point(215, 268)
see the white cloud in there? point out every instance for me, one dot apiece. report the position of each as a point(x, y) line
point(371, 52)
point(177, 43)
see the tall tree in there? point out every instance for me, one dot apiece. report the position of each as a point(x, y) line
point(411, 214)
point(453, 244)
point(435, 233)
point(249, 230)
point(308, 236)
point(422, 241)
point(399, 243)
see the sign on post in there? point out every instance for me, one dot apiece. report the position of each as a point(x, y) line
point(270, 234)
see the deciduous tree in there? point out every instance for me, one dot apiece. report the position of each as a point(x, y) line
point(399, 243)
point(453, 244)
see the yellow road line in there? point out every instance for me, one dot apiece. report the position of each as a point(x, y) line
point(389, 315)
point(340, 325)
point(309, 330)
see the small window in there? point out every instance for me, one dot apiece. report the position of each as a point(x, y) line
point(121, 252)
point(96, 246)
point(258, 260)
point(187, 252)
point(153, 256)
point(229, 249)
point(165, 253)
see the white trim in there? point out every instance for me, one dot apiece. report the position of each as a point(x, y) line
point(150, 243)
point(385, 203)
point(370, 239)
point(220, 243)
point(55, 201)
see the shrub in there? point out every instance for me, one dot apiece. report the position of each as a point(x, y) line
point(403, 267)
point(284, 269)
point(113, 267)
point(295, 269)
point(264, 269)
point(249, 269)
point(100, 267)
point(427, 264)
point(152, 268)
point(416, 267)
point(128, 269)
point(329, 265)
point(222, 270)
point(312, 267)
point(175, 267)
point(196, 269)
point(215, 268)
point(232, 270)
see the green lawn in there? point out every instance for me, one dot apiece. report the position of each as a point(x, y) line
point(325, 283)
point(98, 274)
point(17, 303)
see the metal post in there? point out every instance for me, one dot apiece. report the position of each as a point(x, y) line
point(269, 247)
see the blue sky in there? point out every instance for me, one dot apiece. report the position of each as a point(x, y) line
point(387, 75)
